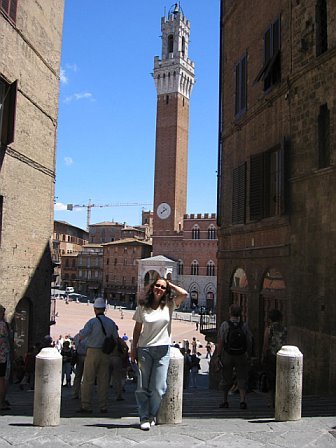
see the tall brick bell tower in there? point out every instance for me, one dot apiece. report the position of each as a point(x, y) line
point(174, 79)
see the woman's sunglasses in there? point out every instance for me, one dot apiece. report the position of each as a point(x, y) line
point(160, 286)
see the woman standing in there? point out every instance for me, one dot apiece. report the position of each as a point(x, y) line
point(151, 342)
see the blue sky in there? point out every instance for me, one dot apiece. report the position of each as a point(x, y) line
point(107, 107)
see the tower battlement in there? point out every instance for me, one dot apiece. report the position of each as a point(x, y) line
point(198, 216)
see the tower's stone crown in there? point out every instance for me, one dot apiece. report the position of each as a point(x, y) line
point(174, 72)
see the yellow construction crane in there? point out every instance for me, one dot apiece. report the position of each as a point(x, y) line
point(89, 205)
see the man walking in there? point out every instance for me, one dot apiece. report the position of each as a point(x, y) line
point(234, 348)
point(97, 363)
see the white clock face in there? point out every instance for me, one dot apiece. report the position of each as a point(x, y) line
point(163, 211)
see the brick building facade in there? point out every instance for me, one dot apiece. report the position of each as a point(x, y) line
point(277, 173)
point(67, 239)
point(194, 249)
point(121, 269)
point(107, 265)
point(30, 49)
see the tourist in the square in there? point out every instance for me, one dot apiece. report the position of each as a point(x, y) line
point(151, 345)
point(97, 363)
point(234, 348)
point(275, 336)
point(67, 355)
point(194, 369)
point(78, 364)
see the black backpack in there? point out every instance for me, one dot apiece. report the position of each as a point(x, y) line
point(236, 341)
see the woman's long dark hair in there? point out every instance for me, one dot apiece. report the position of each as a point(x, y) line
point(148, 300)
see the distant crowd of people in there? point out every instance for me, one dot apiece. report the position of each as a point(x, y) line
point(98, 355)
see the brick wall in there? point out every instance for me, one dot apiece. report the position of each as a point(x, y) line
point(296, 242)
point(30, 54)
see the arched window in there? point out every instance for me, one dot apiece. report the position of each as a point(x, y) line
point(180, 267)
point(183, 45)
point(194, 268)
point(239, 291)
point(274, 293)
point(170, 43)
point(212, 232)
point(210, 268)
point(195, 233)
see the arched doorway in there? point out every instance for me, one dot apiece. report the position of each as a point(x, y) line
point(239, 291)
point(21, 327)
point(273, 295)
point(150, 276)
point(194, 295)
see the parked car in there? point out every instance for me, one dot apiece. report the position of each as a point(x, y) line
point(80, 297)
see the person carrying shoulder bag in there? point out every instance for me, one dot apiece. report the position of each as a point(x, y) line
point(97, 363)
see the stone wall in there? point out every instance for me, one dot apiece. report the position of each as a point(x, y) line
point(30, 53)
point(300, 242)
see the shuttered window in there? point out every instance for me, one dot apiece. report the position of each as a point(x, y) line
point(267, 183)
point(324, 137)
point(7, 112)
point(239, 194)
point(321, 17)
point(241, 86)
point(257, 187)
point(270, 72)
point(9, 8)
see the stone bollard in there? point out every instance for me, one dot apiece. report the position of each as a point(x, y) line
point(171, 405)
point(288, 390)
point(47, 391)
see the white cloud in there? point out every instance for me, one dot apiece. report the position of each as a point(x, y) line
point(59, 206)
point(79, 96)
point(72, 67)
point(68, 161)
point(63, 77)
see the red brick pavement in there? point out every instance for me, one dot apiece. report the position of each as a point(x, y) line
point(72, 317)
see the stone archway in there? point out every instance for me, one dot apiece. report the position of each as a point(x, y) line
point(21, 326)
point(151, 268)
point(273, 295)
point(210, 297)
point(239, 291)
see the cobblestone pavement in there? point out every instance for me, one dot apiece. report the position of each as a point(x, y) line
point(204, 423)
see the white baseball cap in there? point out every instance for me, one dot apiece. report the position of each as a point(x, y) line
point(99, 303)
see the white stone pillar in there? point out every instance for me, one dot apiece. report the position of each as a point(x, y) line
point(171, 406)
point(48, 385)
point(288, 389)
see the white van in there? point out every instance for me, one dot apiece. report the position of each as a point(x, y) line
point(69, 289)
